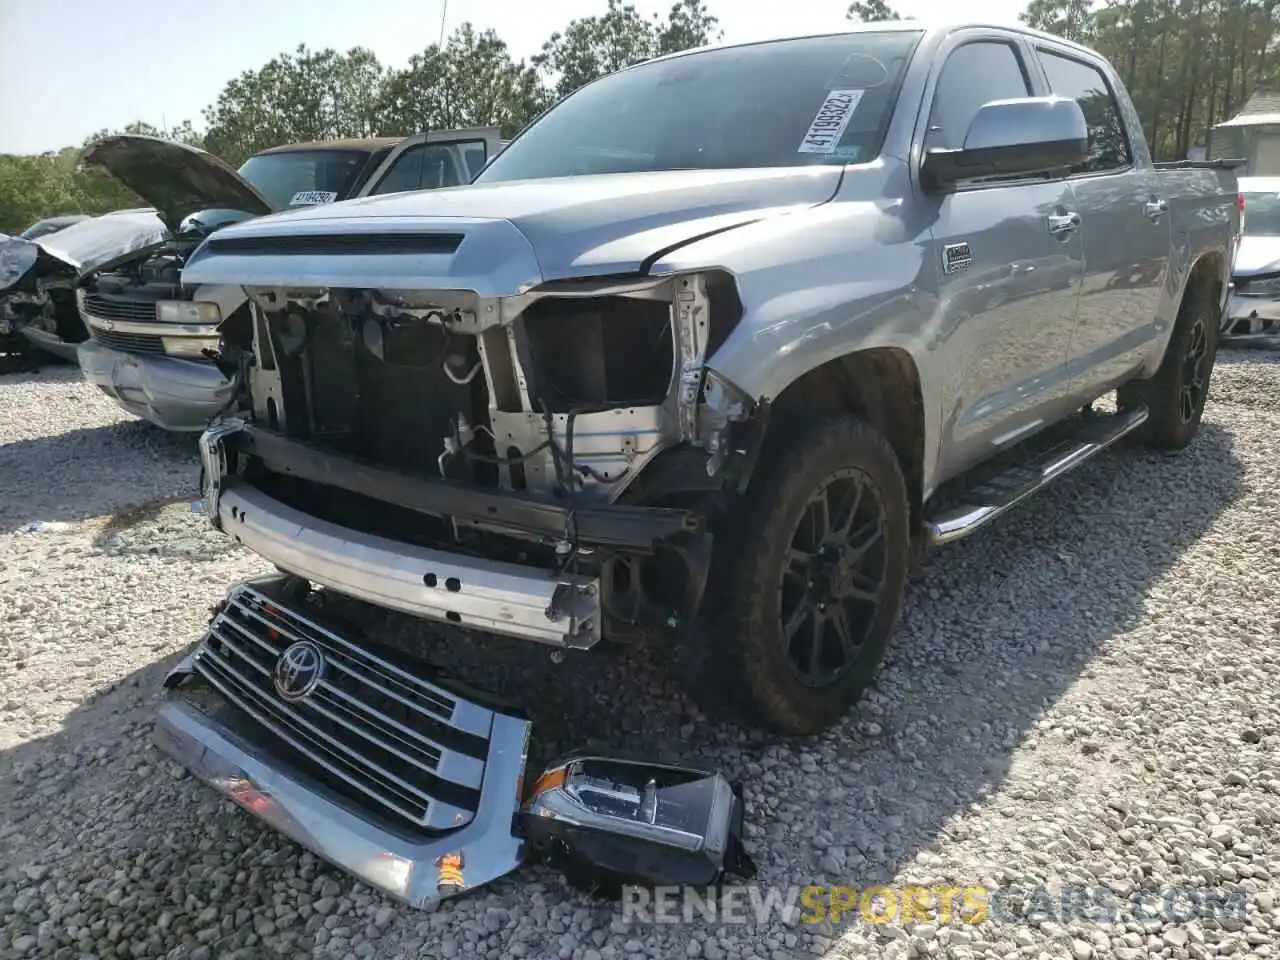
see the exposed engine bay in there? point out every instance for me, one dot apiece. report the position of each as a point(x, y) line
point(130, 289)
point(372, 409)
point(141, 307)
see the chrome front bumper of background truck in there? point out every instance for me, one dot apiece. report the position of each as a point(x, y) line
point(1251, 320)
point(170, 393)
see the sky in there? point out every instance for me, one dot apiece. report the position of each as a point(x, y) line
point(86, 65)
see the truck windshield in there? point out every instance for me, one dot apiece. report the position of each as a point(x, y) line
point(816, 100)
point(298, 177)
point(1262, 214)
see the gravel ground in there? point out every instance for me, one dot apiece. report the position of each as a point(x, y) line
point(1086, 694)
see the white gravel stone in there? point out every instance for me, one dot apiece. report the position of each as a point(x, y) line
point(1088, 693)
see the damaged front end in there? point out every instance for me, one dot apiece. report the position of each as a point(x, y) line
point(541, 460)
point(37, 299)
point(39, 277)
point(543, 465)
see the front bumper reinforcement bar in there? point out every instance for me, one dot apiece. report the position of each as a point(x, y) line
point(622, 527)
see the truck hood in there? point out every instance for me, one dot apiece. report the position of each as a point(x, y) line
point(498, 239)
point(178, 180)
point(1257, 255)
point(83, 247)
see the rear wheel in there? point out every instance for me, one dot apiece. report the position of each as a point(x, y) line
point(808, 583)
point(1176, 394)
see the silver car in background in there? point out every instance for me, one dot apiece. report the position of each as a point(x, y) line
point(1253, 311)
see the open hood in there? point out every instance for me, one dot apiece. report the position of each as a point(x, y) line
point(178, 180)
point(81, 248)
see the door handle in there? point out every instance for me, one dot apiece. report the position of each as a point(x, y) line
point(1062, 224)
point(1155, 209)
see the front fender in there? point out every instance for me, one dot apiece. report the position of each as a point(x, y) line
point(822, 284)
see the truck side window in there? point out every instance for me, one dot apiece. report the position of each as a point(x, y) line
point(439, 168)
point(1108, 145)
point(974, 75)
point(405, 173)
point(476, 158)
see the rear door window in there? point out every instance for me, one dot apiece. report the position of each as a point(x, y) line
point(1084, 83)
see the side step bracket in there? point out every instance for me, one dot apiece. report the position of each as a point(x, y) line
point(991, 499)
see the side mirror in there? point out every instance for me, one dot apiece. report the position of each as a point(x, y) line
point(1025, 136)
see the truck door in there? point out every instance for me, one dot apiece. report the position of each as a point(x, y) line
point(428, 161)
point(1009, 262)
point(1124, 221)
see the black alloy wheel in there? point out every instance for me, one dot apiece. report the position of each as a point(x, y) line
point(833, 577)
point(1195, 374)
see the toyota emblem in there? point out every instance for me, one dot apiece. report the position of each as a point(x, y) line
point(299, 670)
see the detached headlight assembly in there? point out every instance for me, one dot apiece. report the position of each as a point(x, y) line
point(190, 312)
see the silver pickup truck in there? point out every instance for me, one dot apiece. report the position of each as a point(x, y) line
point(705, 355)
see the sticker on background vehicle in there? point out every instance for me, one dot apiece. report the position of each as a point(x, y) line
point(828, 126)
point(307, 198)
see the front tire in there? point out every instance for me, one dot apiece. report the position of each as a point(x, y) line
point(808, 584)
point(1176, 394)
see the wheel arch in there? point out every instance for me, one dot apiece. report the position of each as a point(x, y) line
point(1207, 272)
point(880, 385)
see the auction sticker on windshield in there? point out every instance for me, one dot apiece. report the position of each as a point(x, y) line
point(312, 197)
point(829, 125)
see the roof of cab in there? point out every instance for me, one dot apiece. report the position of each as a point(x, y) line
point(932, 25)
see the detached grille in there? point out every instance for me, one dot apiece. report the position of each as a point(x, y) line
point(379, 732)
point(111, 309)
point(129, 342)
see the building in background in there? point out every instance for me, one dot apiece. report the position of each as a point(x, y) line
point(1253, 135)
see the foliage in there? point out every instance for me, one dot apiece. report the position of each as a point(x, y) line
point(320, 95)
point(593, 46)
point(869, 11)
point(296, 97)
point(471, 82)
point(1187, 64)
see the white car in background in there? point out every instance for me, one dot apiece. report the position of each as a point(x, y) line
point(1253, 311)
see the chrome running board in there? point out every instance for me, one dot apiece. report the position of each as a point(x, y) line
point(993, 498)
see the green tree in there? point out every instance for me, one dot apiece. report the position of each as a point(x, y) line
point(689, 25)
point(1071, 19)
point(472, 81)
point(306, 95)
point(869, 11)
point(591, 47)
point(1187, 64)
point(55, 183)
point(182, 133)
